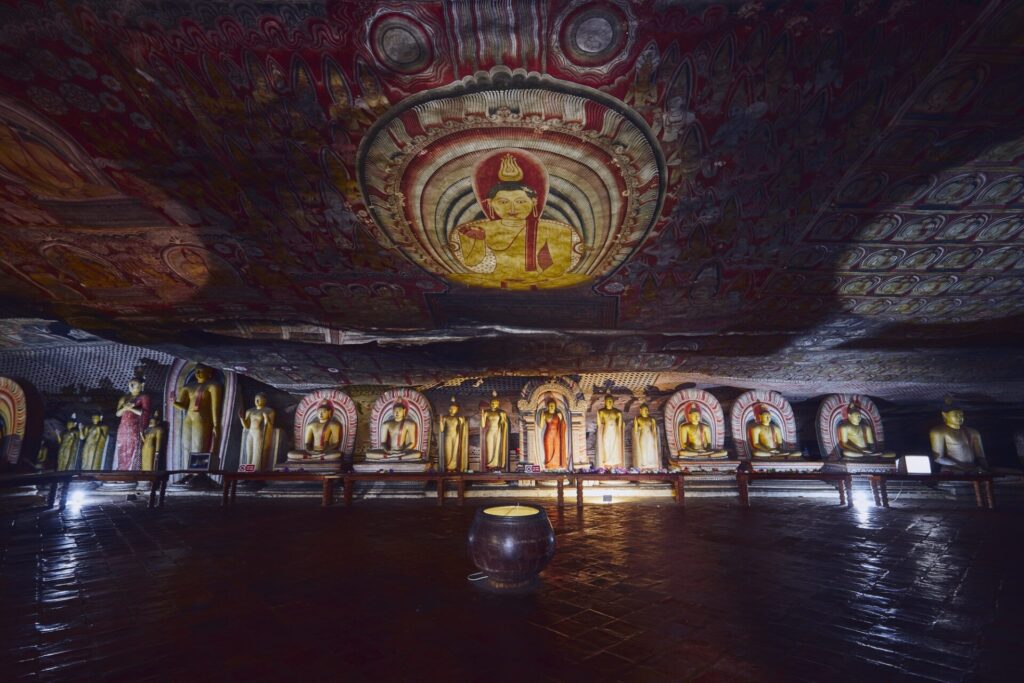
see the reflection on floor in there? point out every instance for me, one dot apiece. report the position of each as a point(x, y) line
point(283, 590)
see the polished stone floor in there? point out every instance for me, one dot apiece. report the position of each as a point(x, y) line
point(789, 590)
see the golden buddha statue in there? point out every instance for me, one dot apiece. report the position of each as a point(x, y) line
point(454, 440)
point(398, 438)
point(94, 443)
point(856, 438)
point(766, 436)
point(695, 437)
point(954, 446)
point(514, 247)
point(493, 435)
point(69, 442)
point(610, 429)
point(153, 442)
point(201, 401)
point(646, 454)
point(258, 423)
point(321, 439)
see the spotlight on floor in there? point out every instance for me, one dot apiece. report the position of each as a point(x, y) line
point(76, 499)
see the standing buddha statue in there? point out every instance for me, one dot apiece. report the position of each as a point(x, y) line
point(493, 435)
point(645, 441)
point(94, 446)
point(454, 440)
point(610, 428)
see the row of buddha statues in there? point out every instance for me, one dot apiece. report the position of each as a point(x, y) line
point(552, 431)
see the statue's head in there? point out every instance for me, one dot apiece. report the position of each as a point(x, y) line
point(324, 412)
point(135, 386)
point(764, 416)
point(551, 406)
point(953, 418)
point(97, 418)
point(203, 373)
point(494, 400)
point(400, 411)
point(260, 400)
point(453, 408)
point(154, 419)
point(644, 410)
point(854, 416)
point(609, 402)
point(952, 414)
point(693, 414)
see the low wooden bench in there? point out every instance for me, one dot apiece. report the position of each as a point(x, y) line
point(981, 481)
point(674, 478)
point(842, 480)
point(53, 479)
point(463, 478)
point(231, 479)
point(157, 490)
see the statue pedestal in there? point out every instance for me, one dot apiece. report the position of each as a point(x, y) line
point(867, 465)
point(396, 466)
point(704, 465)
point(783, 465)
point(313, 466)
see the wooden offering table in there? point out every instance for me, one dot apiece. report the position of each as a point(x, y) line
point(231, 479)
point(53, 479)
point(157, 490)
point(675, 478)
point(461, 479)
point(842, 480)
point(879, 480)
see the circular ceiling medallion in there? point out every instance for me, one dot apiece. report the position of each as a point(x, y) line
point(513, 181)
point(400, 44)
point(593, 34)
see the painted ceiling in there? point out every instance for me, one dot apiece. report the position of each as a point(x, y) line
point(335, 192)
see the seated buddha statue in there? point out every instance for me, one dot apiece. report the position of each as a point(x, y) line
point(695, 437)
point(398, 438)
point(954, 446)
point(321, 440)
point(856, 438)
point(766, 436)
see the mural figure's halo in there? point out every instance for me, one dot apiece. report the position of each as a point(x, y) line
point(513, 181)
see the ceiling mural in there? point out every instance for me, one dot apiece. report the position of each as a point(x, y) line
point(513, 187)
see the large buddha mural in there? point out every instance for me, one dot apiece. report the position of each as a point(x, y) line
point(513, 181)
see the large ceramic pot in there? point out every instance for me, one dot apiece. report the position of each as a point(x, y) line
point(511, 544)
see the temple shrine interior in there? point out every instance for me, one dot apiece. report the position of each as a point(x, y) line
point(562, 340)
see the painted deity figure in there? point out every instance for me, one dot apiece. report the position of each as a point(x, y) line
point(258, 423)
point(494, 435)
point(514, 247)
point(94, 443)
point(133, 408)
point(695, 437)
point(766, 436)
point(398, 438)
point(454, 433)
point(201, 401)
point(610, 430)
point(553, 437)
point(321, 439)
point(954, 446)
point(70, 440)
point(645, 441)
point(856, 437)
point(153, 440)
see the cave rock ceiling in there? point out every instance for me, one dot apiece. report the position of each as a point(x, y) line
point(406, 192)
